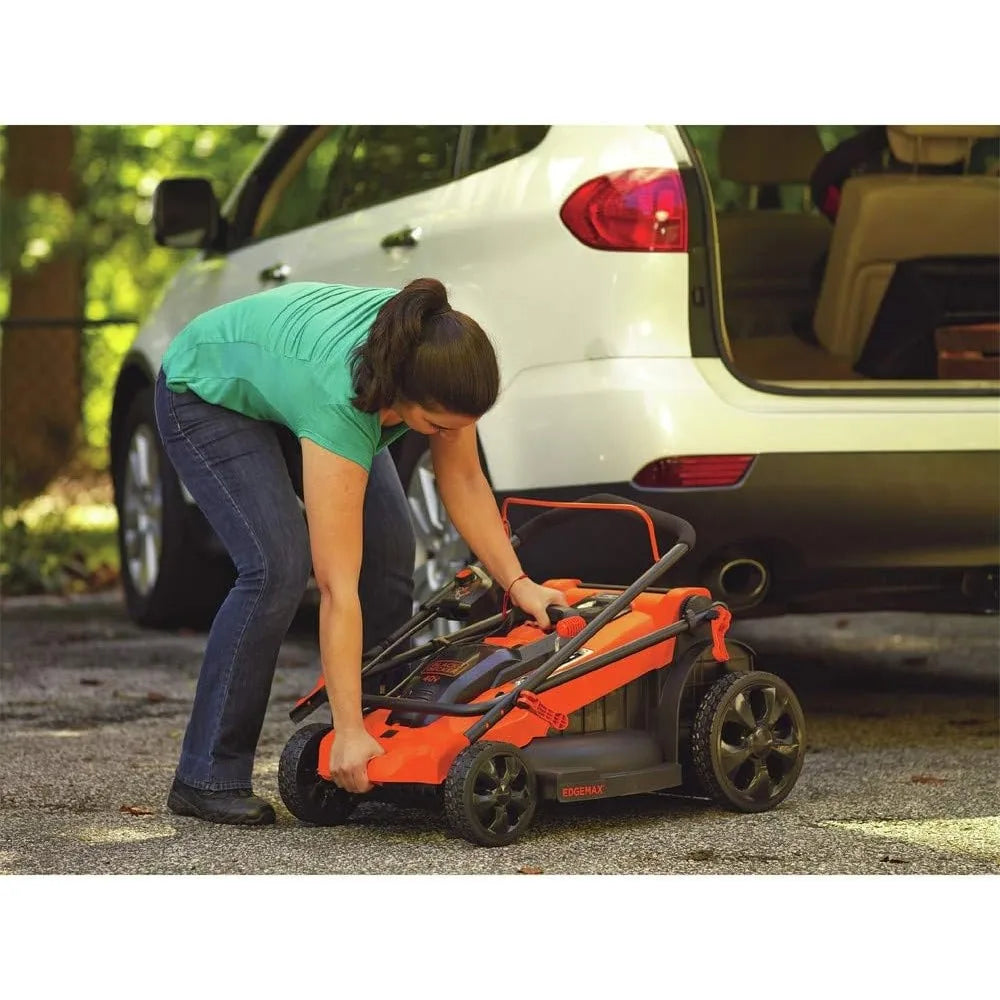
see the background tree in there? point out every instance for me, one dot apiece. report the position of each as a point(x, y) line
point(40, 375)
point(77, 201)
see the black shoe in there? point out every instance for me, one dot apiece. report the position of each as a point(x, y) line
point(239, 806)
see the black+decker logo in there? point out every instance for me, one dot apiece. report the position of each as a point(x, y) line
point(582, 791)
point(447, 668)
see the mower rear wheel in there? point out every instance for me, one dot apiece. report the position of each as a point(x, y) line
point(748, 741)
point(307, 796)
point(490, 794)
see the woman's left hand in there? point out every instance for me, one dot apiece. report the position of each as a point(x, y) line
point(533, 599)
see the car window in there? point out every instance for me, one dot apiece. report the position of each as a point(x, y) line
point(299, 195)
point(381, 162)
point(493, 144)
point(730, 195)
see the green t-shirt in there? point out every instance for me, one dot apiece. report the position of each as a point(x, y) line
point(284, 355)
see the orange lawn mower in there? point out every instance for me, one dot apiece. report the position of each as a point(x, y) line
point(632, 689)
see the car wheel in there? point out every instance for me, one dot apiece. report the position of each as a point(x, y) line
point(748, 741)
point(441, 551)
point(167, 578)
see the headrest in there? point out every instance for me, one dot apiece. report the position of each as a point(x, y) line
point(936, 145)
point(769, 154)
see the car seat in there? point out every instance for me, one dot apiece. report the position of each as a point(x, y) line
point(888, 218)
point(767, 254)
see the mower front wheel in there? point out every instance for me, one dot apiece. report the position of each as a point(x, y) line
point(748, 741)
point(308, 796)
point(490, 794)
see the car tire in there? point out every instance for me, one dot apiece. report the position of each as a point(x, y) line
point(440, 551)
point(168, 578)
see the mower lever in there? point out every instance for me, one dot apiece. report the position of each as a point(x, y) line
point(530, 701)
point(720, 625)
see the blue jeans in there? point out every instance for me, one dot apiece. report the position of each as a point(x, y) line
point(234, 468)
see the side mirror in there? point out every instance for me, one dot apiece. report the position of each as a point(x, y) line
point(185, 213)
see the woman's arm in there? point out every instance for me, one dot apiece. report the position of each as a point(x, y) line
point(473, 510)
point(334, 493)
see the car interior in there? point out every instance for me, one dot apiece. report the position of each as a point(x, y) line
point(902, 285)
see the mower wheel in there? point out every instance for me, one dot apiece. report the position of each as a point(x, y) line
point(490, 794)
point(307, 796)
point(748, 741)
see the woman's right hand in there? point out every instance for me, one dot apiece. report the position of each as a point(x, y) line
point(349, 758)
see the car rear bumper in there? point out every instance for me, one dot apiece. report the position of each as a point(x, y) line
point(819, 532)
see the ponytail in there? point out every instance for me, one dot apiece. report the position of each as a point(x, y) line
point(422, 351)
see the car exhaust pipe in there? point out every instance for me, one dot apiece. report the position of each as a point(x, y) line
point(743, 582)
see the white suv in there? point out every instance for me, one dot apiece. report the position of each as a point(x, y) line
point(780, 381)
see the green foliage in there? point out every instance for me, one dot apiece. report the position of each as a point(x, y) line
point(34, 229)
point(52, 556)
point(118, 168)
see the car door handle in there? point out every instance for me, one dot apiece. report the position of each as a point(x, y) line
point(276, 272)
point(407, 237)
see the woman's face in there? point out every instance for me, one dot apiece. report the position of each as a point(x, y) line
point(429, 421)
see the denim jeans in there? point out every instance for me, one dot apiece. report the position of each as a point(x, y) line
point(234, 468)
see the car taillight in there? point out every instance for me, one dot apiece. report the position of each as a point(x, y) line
point(642, 209)
point(693, 470)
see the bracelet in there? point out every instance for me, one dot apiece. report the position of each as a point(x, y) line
point(510, 587)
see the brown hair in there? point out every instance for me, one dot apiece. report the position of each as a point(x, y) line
point(422, 351)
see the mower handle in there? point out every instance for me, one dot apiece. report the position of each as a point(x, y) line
point(682, 530)
point(556, 613)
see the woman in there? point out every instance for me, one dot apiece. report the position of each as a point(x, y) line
point(348, 370)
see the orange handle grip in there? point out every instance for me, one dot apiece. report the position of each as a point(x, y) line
point(570, 628)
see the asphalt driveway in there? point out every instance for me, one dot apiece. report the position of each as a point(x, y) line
point(900, 775)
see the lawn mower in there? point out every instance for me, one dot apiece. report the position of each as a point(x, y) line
point(632, 689)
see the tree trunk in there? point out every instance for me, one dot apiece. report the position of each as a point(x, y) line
point(40, 370)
